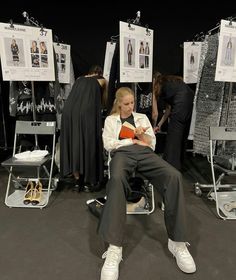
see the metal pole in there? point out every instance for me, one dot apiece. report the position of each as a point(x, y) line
point(3, 122)
point(34, 113)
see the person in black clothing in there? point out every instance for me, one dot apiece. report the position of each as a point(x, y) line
point(81, 147)
point(178, 98)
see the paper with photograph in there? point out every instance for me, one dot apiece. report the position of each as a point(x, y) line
point(110, 48)
point(192, 51)
point(226, 64)
point(136, 53)
point(63, 58)
point(26, 53)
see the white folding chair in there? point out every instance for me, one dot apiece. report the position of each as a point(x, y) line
point(26, 170)
point(146, 205)
point(223, 193)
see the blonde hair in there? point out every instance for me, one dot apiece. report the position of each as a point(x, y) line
point(120, 94)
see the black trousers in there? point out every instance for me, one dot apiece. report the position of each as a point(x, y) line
point(176, 140)
point(163, 176)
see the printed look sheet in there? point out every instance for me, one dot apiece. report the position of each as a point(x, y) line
point(136, 53)
point(226, 56)
point(26, 53)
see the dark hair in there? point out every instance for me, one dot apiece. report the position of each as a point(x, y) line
point(95, 69)
point(159, 79)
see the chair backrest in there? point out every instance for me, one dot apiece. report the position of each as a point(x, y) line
point(35, 127)
point(222, 133)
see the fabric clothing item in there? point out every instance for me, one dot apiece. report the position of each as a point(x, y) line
point(144, 99)
point(114, 78)
point(113, 124)
point(63, 94)
point(164, 177)
point(21, 101)
point(210, 96)
point(81, 131)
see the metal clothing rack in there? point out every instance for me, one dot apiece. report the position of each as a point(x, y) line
point(3, 121)
point(136, 21)
point(201, 36)
point(36, 172)
point(32, 21)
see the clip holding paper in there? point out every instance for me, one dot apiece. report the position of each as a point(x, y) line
point(11, 24)
point(129, 23)
point(56, 40)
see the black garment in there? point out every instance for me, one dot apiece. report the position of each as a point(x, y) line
point(166, 179)
point(21, 103)
point(81, 131)
point(180, 96)
point(144, 99)
point(114, 78)
point(143, 90)
point(130, 120)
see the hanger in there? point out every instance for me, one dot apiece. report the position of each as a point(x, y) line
point(114, 38)
point(11, 24)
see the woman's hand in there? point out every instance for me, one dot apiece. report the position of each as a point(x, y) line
point(140, 142)
point(140, 131)
point(156, 129)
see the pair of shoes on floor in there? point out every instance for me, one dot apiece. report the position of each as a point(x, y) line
point(113, 256)
point(110, 269)
point(33, 194)
point(183, 258)
point(78, 187)
point(91, 187)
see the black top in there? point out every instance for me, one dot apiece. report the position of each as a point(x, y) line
point(179, 96)
point(130, 120)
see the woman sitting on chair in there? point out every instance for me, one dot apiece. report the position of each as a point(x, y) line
point(137, 152)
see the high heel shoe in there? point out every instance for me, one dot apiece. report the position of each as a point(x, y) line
point(37, 193)
point(28, 192)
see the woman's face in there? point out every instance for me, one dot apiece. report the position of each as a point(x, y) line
point(127, 105)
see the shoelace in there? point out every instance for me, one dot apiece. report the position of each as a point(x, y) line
point(111, 256)
point(183, 250)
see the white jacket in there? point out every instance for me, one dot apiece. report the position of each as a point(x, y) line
point(112, 128)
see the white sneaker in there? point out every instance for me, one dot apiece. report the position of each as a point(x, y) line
point(110, 269)
point(183, 258)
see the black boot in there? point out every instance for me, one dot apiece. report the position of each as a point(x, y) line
point(78, 186)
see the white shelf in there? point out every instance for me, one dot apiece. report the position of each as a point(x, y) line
point(226, 198)
point(16, 199)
